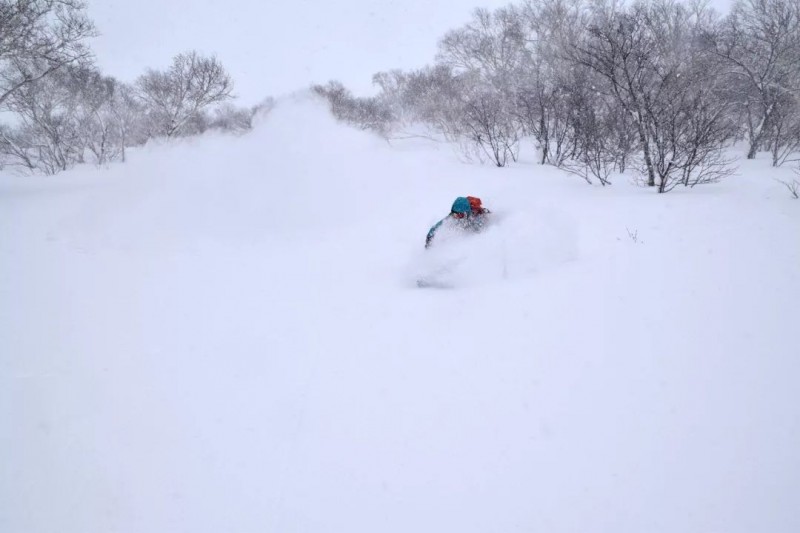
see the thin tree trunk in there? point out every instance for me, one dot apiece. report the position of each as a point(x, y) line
point(648, 160)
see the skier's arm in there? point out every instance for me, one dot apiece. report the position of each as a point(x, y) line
point(432, 232)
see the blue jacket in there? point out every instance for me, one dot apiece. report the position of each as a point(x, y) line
point(471, 222)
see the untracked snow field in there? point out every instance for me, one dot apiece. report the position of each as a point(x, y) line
point(225, 335)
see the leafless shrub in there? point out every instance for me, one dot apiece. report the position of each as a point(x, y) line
point(232, 119)
point(365, 113)
point(16, 150)
point(793, 186)
point(634, 235)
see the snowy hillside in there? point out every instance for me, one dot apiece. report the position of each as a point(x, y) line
point(226, 335)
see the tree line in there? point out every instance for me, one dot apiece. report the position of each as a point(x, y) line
point(60, 110)
point(664, 87)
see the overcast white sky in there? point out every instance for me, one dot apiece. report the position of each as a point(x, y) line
point(275, 47)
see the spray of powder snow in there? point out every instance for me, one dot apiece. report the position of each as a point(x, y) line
point(515, 245)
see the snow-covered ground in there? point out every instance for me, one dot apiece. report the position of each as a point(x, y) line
point(226, 335)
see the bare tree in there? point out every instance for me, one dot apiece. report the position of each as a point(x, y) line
point(432, 96)
point(602, 85)
point(619, 48)
point(38, 37)
point(548, 85)
point(127, 112)
point(489, 54)
point(597, 148)
point(491, 45)
point(653, 63)
point(48, 137)
point(784, 131)
point(174, 98)
point(487, 122)
point(71, 116)
point(760, 42)
point(95, 115)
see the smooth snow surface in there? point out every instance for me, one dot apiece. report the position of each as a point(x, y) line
point(225, 334)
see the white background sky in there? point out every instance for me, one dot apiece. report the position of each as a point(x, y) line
point(274, 47)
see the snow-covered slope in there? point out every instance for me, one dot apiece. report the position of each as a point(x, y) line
point(226, 335)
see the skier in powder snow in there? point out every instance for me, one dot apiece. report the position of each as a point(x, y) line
point(467, 214)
